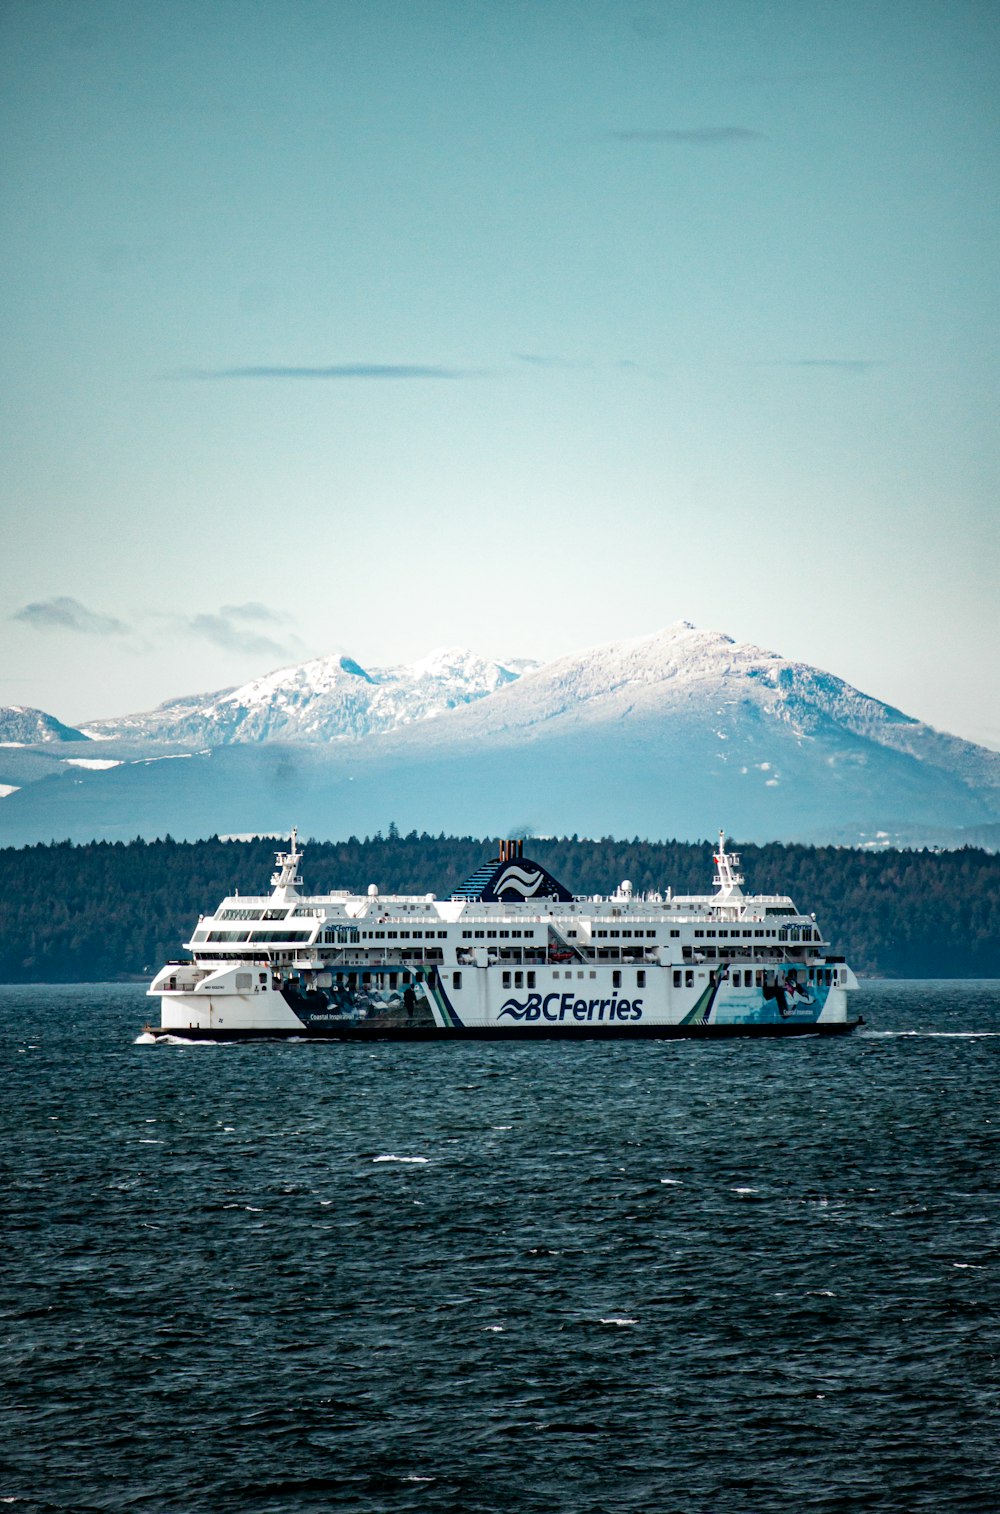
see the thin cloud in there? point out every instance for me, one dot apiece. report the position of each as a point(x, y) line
point(337, 371)
point(253, 610)
point(232, 629)
point(540, 360)
point(845, 364)
point(64, 613)
point(691, 136)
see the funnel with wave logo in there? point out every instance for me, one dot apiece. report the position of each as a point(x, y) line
point(511, 879)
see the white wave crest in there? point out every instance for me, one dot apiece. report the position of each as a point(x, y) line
point(518, 881)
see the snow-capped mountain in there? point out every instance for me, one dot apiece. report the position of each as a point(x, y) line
point(669, 735)
point(325, 699)
point(22, 726)
point(683, 675)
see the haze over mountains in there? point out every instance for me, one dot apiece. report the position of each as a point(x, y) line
point(669, 735)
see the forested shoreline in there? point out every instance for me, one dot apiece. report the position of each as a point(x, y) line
point(117, 910)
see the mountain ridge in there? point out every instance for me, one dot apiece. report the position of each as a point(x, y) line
point(323, 699)
point(661, 735)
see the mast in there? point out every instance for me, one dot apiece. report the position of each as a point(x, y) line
point(728, 879)
point(285, 879)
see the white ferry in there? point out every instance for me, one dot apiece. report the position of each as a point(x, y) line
point(512, 954)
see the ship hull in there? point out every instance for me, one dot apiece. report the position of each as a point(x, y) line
point(414, 1033)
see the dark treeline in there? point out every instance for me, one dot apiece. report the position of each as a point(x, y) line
point(108, 910)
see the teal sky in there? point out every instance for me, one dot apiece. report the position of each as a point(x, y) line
point(382, 325)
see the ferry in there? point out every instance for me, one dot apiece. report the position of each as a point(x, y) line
point(511, 955)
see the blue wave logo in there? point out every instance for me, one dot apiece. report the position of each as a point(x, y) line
point(529, 1010)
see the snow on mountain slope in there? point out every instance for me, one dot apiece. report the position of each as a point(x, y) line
point(23, 726)
point(685, 676)
point(325, 699)
point(666, 735)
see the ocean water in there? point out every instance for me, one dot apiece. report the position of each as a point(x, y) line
point(677, 1276)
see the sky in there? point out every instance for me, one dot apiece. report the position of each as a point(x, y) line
point(375, 327)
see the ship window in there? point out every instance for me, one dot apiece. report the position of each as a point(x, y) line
point(616, 980)
point(677, 978)
point(651, 935)
point(571, 933)
point(675, 932)
point(519, 980)
point(391, 934)
point(758, 933)
point(380, 935)
point(712, 933)
point(721, 933)
point(640, 980)
point(504, 935)
point(479, 935)
point(627, 933)
point(404, 935)
point(688, 978)
point(699, 932)
point(442, 935)
point(506, 980)
point(492, 935)
point(456, 979)
point(737, 981)
point(467, 935)
point(515, 933)
point(615, 933)
point(531, 980)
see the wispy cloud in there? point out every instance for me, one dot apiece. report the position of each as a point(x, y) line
point(64, 613)
point(689, 136)
point(234, 628)
point(253, 610)
point(845, 364)
point(336, 371)
point(541, 360)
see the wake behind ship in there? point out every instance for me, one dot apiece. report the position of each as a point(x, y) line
point(512, 954)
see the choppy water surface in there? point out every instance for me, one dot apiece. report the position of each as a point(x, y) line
point(681, 1276)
